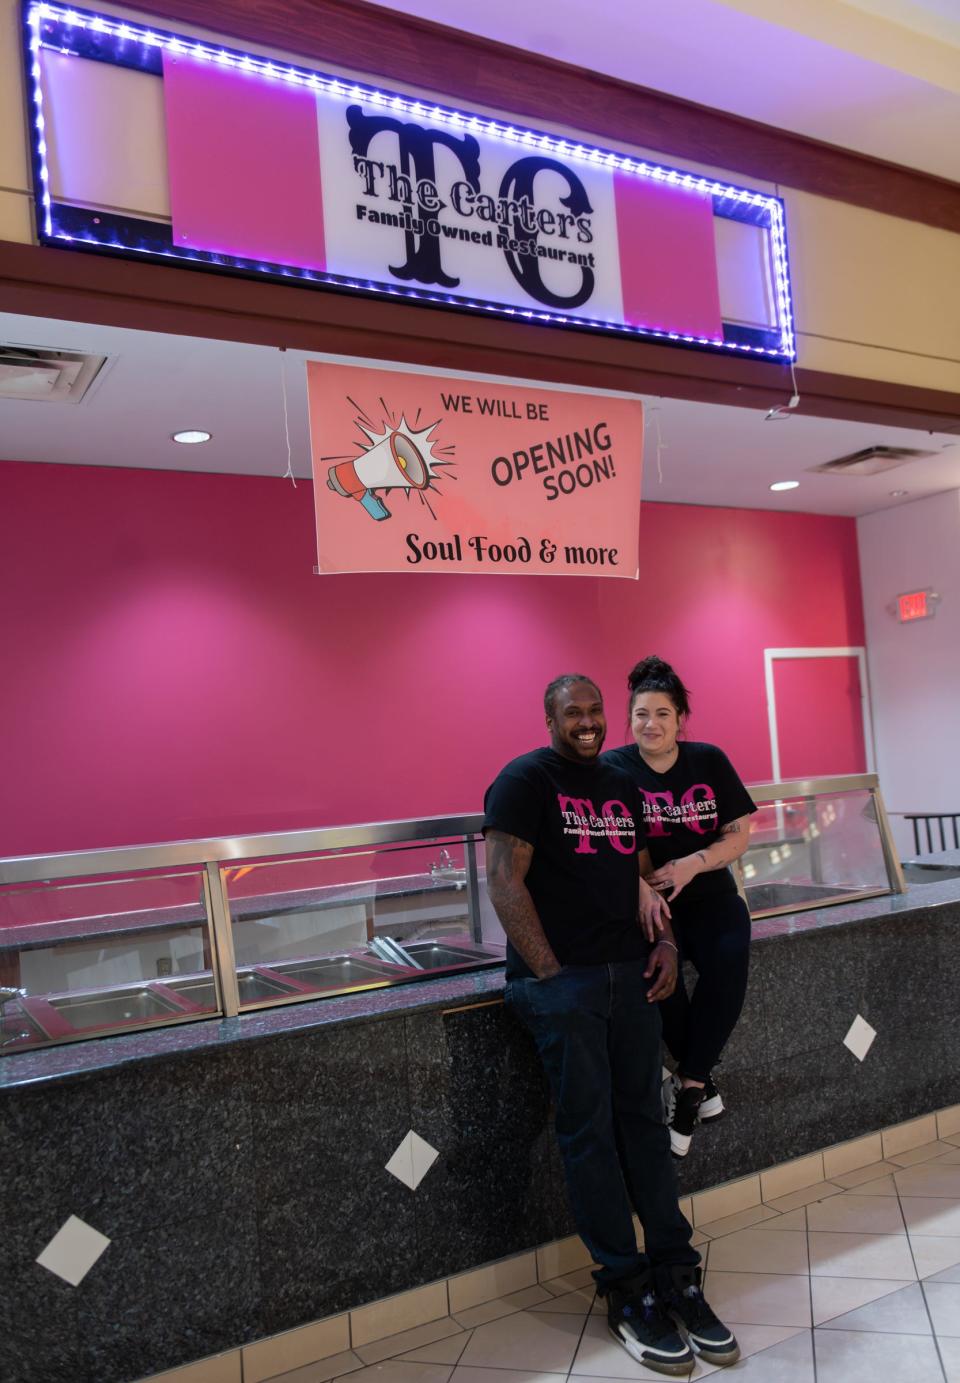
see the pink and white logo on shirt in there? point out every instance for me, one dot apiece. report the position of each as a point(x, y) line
point(613, 822)
point(696, 811)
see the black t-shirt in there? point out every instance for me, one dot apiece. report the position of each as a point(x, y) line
point(682, 811)
point(583, 877)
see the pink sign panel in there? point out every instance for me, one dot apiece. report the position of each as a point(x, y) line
point(668, 257)
point(424, 472)
point(244, 161)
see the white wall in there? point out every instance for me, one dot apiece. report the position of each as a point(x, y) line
point(914, 668)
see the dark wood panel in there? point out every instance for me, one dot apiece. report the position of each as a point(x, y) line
point(469, 69)
point(88, 288)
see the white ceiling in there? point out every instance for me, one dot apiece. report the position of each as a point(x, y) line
point(878, 76)
point(154, 385)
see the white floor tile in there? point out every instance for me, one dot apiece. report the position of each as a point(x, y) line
point(951, 1274)
point(392, 1345)
point(336, 1366)
point(793, 1219)
point(855, 1213)
point(859, 1175)
point(466, 1374)
point(851, 1356)
point(951, 1158)
point(821, 1190)
point(483, 1314)
point(879, 1186)
point(835, 1296)
point(943, 1299)
point(446, 1351)
point(399, 1371)
point(753, 1251)
point(570, 1282)
point(861, 1255)
point(759, 1298)
point(788, 1362)
point(925, 1153)
point(742, 1220)
point(902, 1312)
point(929, 1179)
point(950, 1356)
point(932, 1215)
point(935, 1255)
point(571, 1303)
point(530, 1340)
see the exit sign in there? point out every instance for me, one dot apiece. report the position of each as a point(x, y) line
point(916, 605)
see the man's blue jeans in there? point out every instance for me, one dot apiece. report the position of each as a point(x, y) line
point(599, 1040)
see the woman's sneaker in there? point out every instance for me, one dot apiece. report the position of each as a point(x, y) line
point(639, 1322)
point(682, 1298)
point(686, 1112)
point(711, 1106)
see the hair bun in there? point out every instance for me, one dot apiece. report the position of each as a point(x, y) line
point(647, 668)
point(654, 674)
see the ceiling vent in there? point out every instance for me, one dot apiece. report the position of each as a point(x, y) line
point(871, 461)
point(37, 375)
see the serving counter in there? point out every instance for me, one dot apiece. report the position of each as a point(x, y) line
point(238, 1163)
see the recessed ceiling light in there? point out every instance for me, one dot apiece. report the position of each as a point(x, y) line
point(898, 494)
point(191, 437)
point(785, 485)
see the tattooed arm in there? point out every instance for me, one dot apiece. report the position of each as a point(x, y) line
point(508, 859)
point(676, 874)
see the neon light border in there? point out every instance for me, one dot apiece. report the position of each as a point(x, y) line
point(67, 26)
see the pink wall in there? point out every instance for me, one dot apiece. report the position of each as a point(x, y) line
point(174, 669)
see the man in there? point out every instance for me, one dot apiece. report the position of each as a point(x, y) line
point(589, 953)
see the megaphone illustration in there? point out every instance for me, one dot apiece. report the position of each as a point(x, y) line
point(396, 463)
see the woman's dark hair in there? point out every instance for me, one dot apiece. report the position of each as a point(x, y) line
point(653, 674)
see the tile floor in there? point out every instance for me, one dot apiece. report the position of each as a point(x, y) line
point(859, 1285)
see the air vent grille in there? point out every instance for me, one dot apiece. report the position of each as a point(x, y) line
point(871, 461)
point(37, 374)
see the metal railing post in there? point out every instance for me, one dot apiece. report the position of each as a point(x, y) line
point(473, 889)
point(224, 960)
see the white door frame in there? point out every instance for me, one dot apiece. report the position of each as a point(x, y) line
point(772, 655)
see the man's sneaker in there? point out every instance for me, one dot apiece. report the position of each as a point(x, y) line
point(682, 1298)
point(686, 1112)
point(637, 1319)
point(711, 1106)
point(668, 1094)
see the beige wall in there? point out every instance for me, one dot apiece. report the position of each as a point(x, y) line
point(874, 296)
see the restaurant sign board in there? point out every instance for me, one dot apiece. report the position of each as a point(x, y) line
point(282, 171)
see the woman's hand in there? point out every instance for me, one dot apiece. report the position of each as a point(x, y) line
point(653, 912)
point(674, 876)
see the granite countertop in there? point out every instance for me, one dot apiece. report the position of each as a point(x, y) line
point(73, 1060)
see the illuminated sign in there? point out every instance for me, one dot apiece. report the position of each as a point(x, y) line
point(917, 605)
point(280, 171)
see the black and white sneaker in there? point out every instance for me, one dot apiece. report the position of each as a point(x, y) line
point(682, 1298)
point(711, 1106)
point(639, 1322)
point(686, 1112)
point(668, 1094)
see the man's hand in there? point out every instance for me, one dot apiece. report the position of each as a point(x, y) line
point(653, 912)
point(663, 964)
point(676, 874)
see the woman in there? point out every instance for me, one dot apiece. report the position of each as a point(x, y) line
point(695, 813)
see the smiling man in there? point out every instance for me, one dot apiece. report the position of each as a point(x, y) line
point(589, 954)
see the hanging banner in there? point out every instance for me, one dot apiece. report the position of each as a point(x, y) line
point(424, 472)
point(250, 165)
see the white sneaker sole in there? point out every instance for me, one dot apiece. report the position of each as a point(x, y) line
point(677, 1364)
point(680, 1143)
point(711, 1109)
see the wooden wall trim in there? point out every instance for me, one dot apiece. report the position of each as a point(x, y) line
point(86, 287)
point(471, 69)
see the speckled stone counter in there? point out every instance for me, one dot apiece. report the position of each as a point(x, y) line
point(238, 1166)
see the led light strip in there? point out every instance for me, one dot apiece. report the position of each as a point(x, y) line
point(335, 88)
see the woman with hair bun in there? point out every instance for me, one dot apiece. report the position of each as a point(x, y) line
point(695, 815)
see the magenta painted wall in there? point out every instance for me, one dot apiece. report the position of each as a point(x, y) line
point(174, 669)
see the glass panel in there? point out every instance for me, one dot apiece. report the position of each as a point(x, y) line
point(353, 919)
point(78, 959)
point(806, 851)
